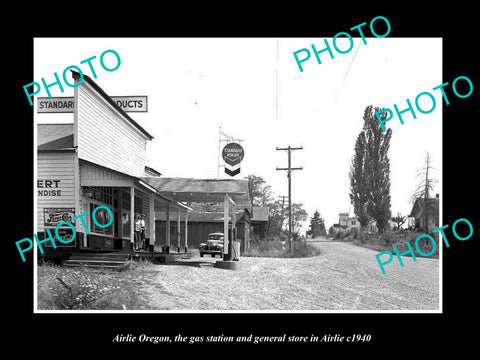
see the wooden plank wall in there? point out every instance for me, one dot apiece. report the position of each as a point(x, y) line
point(105, 137)
point(58, 166)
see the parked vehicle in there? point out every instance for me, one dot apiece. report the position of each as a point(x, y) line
point(213, 246)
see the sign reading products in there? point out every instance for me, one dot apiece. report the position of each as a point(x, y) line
point(232, 154)
point(66, 104)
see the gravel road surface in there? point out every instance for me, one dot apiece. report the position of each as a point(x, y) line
point(343, 277)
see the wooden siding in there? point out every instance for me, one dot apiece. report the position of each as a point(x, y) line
point(55, 171)
point(105, 137)
point(94, 175)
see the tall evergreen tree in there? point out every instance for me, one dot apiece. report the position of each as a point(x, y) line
point(317, 225)
point(370, 172)
point(358, 189)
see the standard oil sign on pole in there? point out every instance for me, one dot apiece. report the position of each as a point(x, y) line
point(232, 154)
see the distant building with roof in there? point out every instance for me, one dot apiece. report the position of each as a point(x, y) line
point(200, 224)
point(347, 222)
point(430, 208)
point(259, 220)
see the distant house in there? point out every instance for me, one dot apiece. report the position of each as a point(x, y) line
point(259, 220)
point(372, 225)
point(431, 207)
point(346, 222)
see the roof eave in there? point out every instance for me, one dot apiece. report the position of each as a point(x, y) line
point(92, 83)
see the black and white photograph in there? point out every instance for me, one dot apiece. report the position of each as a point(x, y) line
point(181, 190)
point(238, 182)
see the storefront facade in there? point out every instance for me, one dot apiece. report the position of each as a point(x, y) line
point(99, 160)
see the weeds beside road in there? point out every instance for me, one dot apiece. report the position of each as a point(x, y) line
point(63, 288)
point(343, 277)
point(278, 249)
point(389, 239)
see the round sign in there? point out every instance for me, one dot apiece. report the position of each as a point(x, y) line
point(232, 153)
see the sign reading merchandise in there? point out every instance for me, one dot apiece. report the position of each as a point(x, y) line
point(51, 185)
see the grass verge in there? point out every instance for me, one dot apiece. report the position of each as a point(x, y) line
point(389, 239)
point(63, 288)
point(278, 249)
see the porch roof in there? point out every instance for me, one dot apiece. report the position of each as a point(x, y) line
point(195, 216)
point(94, 175)
point(200, 190)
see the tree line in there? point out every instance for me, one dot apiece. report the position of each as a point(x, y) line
point(262, 195)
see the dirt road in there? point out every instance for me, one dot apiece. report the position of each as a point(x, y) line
point(343, 277)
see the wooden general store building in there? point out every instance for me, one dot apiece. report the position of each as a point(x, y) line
point(99, 159)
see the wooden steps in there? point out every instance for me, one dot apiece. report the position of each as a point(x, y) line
point(113, 261)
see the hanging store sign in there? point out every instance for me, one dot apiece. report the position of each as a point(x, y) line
point(232, 154)
point(67, 104)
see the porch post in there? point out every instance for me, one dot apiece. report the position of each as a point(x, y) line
point(234, 230)
point(186, 231)
point(132, 217)
point(178, 231)
point(226, 255)
point(167, 229)
point(151, 227)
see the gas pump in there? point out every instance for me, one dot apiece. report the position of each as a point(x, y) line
point(231, 248)
point(234, 245)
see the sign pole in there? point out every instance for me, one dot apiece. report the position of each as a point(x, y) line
point(218, 157)
point(225, 229)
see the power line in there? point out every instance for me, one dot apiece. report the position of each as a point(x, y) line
point(289, 170)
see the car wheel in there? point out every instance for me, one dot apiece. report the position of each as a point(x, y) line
point(201, 254)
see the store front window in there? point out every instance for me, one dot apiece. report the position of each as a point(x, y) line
point(126, 218)
point(99, 196)
point(102, 217)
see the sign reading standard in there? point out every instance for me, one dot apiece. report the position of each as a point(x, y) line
point(67, 105)
point(232, 154)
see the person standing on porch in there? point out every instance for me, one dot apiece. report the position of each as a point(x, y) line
point(137, 230)
point(142, 231)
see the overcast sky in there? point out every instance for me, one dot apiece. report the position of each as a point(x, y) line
point(253, 89)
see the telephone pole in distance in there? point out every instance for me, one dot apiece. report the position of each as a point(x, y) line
point(289, 170)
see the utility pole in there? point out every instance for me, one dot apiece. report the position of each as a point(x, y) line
point(283, 212)
point(289, 170)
